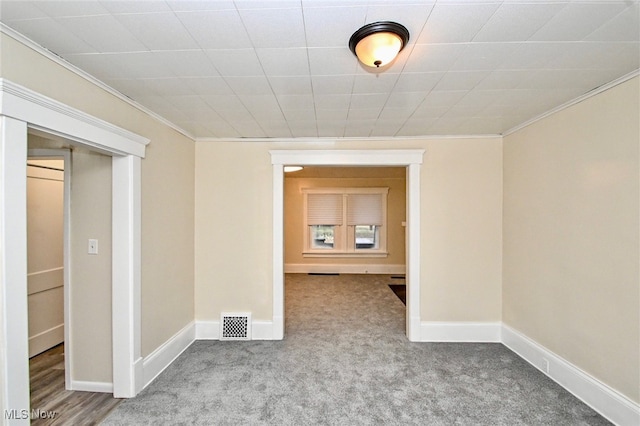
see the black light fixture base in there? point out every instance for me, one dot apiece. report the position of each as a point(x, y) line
point(379, 27)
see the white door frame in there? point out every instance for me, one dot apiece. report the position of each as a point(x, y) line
point(65, 154)
point(409, 158)
point(22, 109)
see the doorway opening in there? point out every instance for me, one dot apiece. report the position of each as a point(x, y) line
point(411, 160)
point(347, 200)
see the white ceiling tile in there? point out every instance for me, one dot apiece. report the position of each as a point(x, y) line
point(252, 85)
point(408, 100)
point(248, 128)
point(331, 61)
point(359, 128)
point(433, 57)
point(274, 27)
point(483, 56)
point(290, 85)
point(411, 82)
point(461, 80)
point(216, 29)
point(456, 23)
point(623, 27)
point(236, 62)
point(168, 86)
point(364, 113)
point(58, 38)
point(299, 114)
point(232, 115)
point(280, 62)
point(534, 55)
point(58, 9)
point(104, 33)
point(219, 102)
point(330, 130)
point(221, 129)
point(517, 21)
point(188, 102)
point(13, 10)
point(128, 6)
point(99, 66)
point(444, 98)
point(577, 20)
point(158, 31)
point(200, 5)
point(337, 102)
point(215, 85)
point(142, 64)
point(276, 129)
point(290, 102)
point(332, 84)
point(332, 26)
point(368, 100)
point(332, 114)
point(504, 79)
point(416, 127)
point(389, 113)
point(187, 63)
point(386, 128)
point(303, 128)
point(262, 107)
point(412, 16)
point(374, 83)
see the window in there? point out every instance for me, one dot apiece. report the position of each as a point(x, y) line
point(345, 221)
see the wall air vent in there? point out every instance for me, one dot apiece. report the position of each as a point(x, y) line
point(235, 326)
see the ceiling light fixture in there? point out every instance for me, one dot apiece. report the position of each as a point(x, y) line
point(378, 43)
point(288, 169)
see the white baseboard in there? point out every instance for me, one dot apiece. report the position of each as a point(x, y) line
point(104, 387)
point(302, 268)
point(45, 340)
point(156, 362)
point(606, 401)
point(436, 331)
point(210, 330)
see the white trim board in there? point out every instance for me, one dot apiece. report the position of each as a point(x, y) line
point(164, 355)
point(606, 401)
point(467, 332)
point(328, 268)
point(260, 330)
point(103, 387)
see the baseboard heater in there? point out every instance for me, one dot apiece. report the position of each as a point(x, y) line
point(235, 326)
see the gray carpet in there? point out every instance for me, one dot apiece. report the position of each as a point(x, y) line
point(345, 360)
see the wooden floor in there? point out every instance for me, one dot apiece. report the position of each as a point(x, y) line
point(50, 398)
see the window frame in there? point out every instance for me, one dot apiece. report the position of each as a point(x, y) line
point(346, 246)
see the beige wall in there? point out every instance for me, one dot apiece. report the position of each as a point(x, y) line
point(167, 190)
point(90, 294)
point(461, 226)
point(293, 211)
point(45, 269)
point(571, 237)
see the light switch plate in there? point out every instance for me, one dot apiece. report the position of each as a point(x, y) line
point(93, 246)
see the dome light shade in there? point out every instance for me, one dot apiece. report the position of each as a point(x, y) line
point(378, 43)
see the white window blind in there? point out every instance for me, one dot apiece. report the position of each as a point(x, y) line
point(364, 209)
point(324, 209)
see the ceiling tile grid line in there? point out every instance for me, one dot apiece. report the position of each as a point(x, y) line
point(282, 68)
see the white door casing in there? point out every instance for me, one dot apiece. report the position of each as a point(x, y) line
point(22, 109)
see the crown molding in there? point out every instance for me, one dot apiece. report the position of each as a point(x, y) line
point(4, 29)
point(330, 140)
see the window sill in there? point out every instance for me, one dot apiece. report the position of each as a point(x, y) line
point(377, 254)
